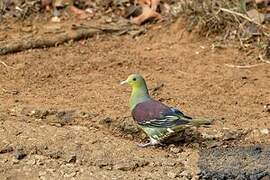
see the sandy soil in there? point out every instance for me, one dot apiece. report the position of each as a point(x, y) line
point(63, 113)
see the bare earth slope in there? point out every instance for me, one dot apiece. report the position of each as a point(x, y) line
point(64, 114)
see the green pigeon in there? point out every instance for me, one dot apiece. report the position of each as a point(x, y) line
point(158, 121)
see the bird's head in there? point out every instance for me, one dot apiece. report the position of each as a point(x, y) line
point(139, 89)
point(135, 81)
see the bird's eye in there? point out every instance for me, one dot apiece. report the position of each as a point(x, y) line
point(134, 79)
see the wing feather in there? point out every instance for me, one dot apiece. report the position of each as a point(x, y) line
point(167, 120)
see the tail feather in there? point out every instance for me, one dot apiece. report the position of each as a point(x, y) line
point(174, 131)
point(200, 121)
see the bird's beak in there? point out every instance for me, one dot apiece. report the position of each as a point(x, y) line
point(123, 82)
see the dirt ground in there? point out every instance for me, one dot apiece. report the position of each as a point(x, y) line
point(63, 114)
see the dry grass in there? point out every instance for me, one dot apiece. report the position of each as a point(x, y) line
point(228, 19)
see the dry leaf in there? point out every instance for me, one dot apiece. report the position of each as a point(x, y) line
point(143, 2)
point(147, 13)
point(256, 16)
point(80, 14)
point(262, 1)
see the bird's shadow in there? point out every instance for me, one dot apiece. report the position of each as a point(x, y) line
point(188, 137)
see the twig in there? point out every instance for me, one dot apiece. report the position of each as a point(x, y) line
point(263, 60)
point(7, 66)
point(245, 17)
point(241, 15)
point(250, 66)
point(243, 67)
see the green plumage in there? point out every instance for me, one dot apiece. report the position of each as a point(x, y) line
point(157, 120)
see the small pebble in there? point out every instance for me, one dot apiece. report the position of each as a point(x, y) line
point(42, 173)
point(15, 161)
point(175, 150)
point(55, 19)
point(73, 174)
point(172, 174)
point(185, 174)
point(71, 159)
point(31, 162)
point(264, 131)
point(19, 154)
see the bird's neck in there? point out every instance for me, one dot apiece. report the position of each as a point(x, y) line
point(138, 95)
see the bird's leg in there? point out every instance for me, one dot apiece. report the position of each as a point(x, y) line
point(142, 145)
point(152, 142)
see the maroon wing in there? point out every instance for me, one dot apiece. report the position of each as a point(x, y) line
point(148, 110)
point(153, 113)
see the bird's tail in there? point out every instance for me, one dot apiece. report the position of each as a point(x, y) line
point(200, 121)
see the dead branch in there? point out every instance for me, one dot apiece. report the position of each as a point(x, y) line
point(75, 34)
point(42, 42)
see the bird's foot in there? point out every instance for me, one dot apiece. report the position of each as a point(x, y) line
point(142, 145)
point(152, 142)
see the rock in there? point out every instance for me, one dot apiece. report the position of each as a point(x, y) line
point(19, 154)
point(266, 108)
point(104, 3)
point(174, 149)
point(254, 134)
point(264, 131)
point(31, 162)
point(39, 160)
point(55, 154)
point(68, 170)
point(40, 114)
point(56, 19)
point(42, 173)
point(64, 116)
point(142, 163)
point(155, 164)
point(130, 165)
point(26, 29)
point(107, 121)
point(172, 174)
point(73, 174)
point(128, 126)
point(230, 136)
point(213, 144)
point(185, 174)
point(103, 164)
point(71, 159)
point(208, 135)
point(108, 19)
point(129, 136)
point(6, 149)
point(169, 163)
point(15, 161)
point(83, 114)
point(125, 166)
point(15, 111)
point(51, 170)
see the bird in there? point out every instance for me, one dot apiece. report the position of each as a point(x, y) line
point(157, 120)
